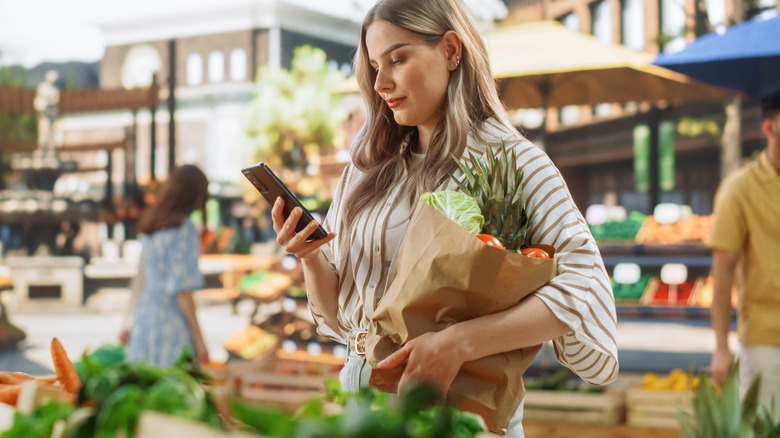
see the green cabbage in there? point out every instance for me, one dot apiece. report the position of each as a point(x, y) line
point(458, 207)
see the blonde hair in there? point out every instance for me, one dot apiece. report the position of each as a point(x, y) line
point(470, 100)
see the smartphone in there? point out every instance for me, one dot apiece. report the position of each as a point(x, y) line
point(271, 187)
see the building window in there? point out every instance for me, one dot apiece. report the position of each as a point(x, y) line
point(194, 69)
point(633, 30)
point(672, 25)
point(716, 14)
point(602, 22)
point(216, 67)
point(571, 22)
point(238, 65)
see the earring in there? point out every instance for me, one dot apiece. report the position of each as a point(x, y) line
point(455, 64)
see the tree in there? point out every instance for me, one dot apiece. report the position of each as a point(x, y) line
point(293, 115)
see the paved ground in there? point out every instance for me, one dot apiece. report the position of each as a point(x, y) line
point(645, 345)
point(89, 328)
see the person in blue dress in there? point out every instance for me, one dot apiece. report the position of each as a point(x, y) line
point(165, 320)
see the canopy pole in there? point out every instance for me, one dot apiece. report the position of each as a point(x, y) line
point(653, 122)
point(731, 152)
point(544, 95)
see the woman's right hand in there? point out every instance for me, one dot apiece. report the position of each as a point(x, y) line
point(292, 242)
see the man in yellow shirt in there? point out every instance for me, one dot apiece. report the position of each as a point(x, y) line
point(745, 245)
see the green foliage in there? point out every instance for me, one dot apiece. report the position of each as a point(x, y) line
point(724, 415)
point(366, 413)
point(117, 393)
point(105, 355)
point(293, 113)
point(12, 76)
point(16, 127)
point(40, 422)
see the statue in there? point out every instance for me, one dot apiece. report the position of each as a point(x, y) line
point(47, 97)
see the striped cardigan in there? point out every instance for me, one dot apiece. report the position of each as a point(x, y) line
point(580, 295)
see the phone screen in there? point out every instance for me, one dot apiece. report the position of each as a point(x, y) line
point(271, 187)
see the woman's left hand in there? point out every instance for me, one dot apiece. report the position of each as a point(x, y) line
point(431, 357)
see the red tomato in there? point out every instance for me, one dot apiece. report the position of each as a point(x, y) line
point(536, 253)
point(490, 240)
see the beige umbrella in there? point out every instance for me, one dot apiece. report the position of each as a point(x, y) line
point(543, 64)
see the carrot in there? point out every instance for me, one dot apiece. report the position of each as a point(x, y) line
point(9, 378)
point(63, 367)
point(9, 394)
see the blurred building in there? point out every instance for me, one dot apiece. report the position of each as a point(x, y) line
point(595, 146)
point(210, 57)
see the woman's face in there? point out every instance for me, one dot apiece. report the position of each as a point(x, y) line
point(411, 75)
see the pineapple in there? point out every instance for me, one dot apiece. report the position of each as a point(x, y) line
point(495, 183)
point(723, 414)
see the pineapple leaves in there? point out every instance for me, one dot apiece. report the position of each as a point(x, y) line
point(495, 182)
point(465, 171)
point(724, 414)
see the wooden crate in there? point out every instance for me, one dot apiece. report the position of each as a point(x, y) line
point(656, 408)
point(284, 380)
point(605, 408)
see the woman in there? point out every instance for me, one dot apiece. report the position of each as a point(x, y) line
point(165, 319)
point(424, 74)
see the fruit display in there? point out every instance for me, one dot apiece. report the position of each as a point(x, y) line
point(676, 380)
point(665, 294)
point(264, 284)
point(703, 293)
point(632, 291)
point(694, 229)
point(252, 343)
point(619, 230)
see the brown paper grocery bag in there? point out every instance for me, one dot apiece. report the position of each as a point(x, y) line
point(445, 275)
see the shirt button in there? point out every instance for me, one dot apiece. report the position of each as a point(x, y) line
point(371, 286)
point(376, 248)
point(388, 203)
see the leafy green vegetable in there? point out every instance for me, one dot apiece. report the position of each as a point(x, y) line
point(118, 393)
point(40, 422)
point(458, 207)
point(362, 414)
point(104, 355)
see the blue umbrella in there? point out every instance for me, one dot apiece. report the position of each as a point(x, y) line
point(745, 58)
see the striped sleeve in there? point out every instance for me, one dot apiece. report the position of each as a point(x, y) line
point(330, 251)
point(580, 295)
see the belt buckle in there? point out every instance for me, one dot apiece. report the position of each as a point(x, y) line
point(357, 341)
